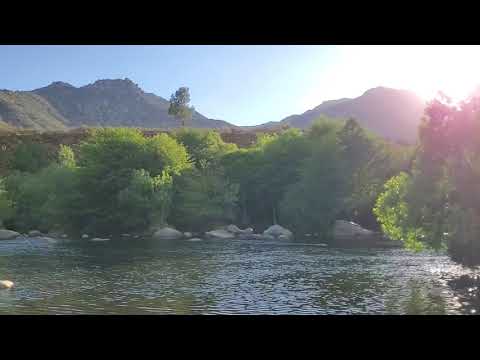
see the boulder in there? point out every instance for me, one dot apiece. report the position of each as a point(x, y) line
point(234, 229)
point(6, 284)
point(126, 235)
point(34, 233)
point(167, 233)
point(187, 235)
point(219, 234)
point(350, 234)
point(8, 234)
point(85, 236)
point(279, 232)
point(344, 228)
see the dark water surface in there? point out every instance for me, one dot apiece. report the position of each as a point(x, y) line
point(219, 277)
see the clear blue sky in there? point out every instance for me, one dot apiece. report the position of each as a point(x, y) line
point(241, 84)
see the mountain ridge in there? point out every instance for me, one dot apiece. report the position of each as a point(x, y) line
point(391, 113)
point(105, 102)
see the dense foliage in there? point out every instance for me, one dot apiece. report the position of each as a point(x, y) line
point(437, 204)
point(119, 180)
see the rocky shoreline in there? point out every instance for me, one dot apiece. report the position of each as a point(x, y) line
point(346, 234)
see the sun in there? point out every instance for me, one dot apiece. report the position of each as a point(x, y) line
point(423, 69)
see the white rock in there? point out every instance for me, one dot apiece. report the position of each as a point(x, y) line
point(100, 239)
point(276, 231)
point(6, 284)
point(234, 229)
point(167, 233)
point(8, 234)
point(219, 234)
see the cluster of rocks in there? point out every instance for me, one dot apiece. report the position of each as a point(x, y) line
point(274, 232)
point(11, 235)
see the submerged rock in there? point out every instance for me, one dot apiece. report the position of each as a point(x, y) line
point(100, 239)
point(6, 284)
point(278, 232)
point(219, 234)
point(34, 233)
point(167, 233)
point(8, 234)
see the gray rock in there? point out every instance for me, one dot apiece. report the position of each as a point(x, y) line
point(167, 233)
point(100, 239)
point(219, 234)
point(195, 239)
point(49, 239)
point(276, 231)
point(187, 235)
point(85, 236)
point(234, 229)
point(344, 228)
point(8, 234)
point(126, 235)
point(6, 284)
point(248, 231)
point(350, 234)
point(34, 233)
point(64, 236)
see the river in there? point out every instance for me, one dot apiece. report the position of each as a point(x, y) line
point(139, 276)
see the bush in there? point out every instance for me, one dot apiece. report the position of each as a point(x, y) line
point(30, 157)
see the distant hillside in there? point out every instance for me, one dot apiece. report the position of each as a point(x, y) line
point(103, 103)
point(28, 110)
point(390, 113)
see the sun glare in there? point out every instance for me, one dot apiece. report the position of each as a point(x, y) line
point(425, 70)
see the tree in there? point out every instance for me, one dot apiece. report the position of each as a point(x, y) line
point(179, 105)
point(30, 157)
point(313, 202)
point(203, 199)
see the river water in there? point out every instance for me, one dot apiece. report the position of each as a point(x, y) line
point(139, 276)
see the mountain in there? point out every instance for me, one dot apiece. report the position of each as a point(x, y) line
point(104, 103)
point(391, 113)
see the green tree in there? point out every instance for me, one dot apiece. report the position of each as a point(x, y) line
point(205, 147)
point(313, 202)
point(179, 105)
point(203, 198)
point(30, 157)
